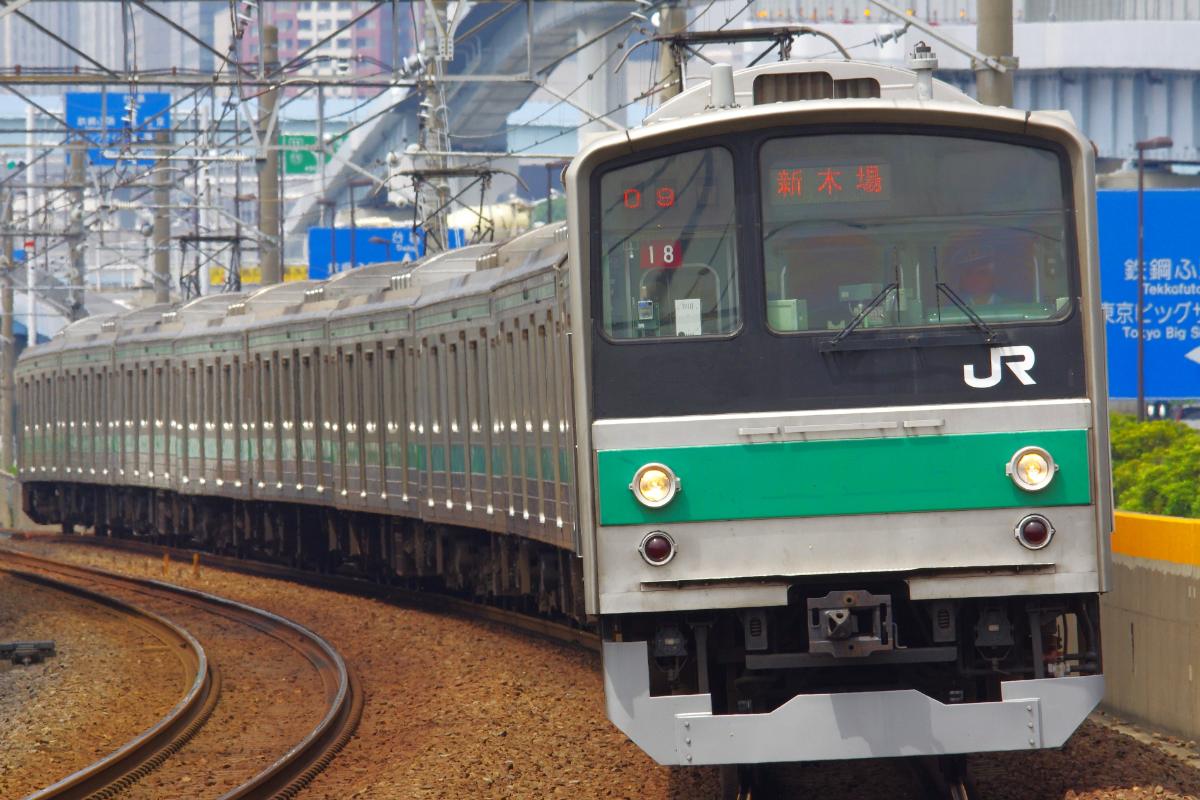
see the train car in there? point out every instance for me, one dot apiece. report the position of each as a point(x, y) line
point(841, 419)
point(803, 408)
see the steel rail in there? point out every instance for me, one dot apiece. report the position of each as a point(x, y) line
point(305, 759)
point(429, 601)
point(135, 759)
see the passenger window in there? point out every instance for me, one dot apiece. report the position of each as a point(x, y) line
point(911, 231)
point(668, 248)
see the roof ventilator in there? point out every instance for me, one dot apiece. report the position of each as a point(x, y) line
point(782, 87)
point(401, 281)
point(488, 260)
point(236, 309)
point(314, 295)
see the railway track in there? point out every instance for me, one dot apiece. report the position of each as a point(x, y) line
point(287, 773)
point(431, 601)
point(945, 779)
point(108, 776)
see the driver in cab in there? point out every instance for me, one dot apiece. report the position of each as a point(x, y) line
point(976, 269)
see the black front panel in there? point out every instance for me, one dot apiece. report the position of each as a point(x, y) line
point(760, 371)
point(1013, 350)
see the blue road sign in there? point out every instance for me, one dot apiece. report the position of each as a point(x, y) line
point(1172, 291)
point(329, 248)
point(104, 120)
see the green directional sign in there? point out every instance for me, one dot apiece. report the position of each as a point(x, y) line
point(299, 161)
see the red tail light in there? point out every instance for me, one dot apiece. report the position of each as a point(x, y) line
point(657, 548)
point(1034, 532)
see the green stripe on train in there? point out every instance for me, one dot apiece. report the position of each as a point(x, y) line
point(843, 476)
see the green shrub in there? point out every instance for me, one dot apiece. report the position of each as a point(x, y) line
point(1156, 466)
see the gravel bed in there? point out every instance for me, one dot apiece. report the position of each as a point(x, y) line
point(109, 682)
point(459, 709)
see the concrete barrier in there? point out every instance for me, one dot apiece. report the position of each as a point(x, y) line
point(1150, 623)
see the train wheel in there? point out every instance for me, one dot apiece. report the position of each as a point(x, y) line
point(946, 778)
point(737, 782)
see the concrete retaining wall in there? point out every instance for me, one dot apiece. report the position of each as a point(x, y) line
point(1150, 623)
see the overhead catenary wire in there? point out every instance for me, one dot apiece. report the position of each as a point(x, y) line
point(126, 174)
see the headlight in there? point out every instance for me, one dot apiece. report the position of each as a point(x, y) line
point(1031, 469)
point(654, 485)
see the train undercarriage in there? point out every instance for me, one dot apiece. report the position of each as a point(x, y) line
point(508, 570)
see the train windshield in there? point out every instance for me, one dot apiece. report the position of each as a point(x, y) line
point(866, 231)
point(669, 266)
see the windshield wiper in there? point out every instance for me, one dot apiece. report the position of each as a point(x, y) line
point(862, 315)
point(975, 319)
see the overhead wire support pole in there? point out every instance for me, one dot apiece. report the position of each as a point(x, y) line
point(7, 346)
point(268, 166)
point(994, 37)
point(76, 181)
point(673, 19)
point(162, 223)
point(31, 327)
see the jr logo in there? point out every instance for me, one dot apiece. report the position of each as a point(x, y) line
point(1020, 367)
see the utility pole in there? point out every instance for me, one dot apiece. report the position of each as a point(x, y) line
point(1142, 146)
point(31, 325)
point(75, 183)
point(995, 39)
point(672, 19)
point(435, 132)
point(268, 165)
point(7, 348)
point(162, 221)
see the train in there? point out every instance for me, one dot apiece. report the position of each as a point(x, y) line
point(803, 408)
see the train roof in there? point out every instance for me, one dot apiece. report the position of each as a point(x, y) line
point(798, 81)
point(437, 278)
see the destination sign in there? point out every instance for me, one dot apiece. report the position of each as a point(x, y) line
point(791, 184)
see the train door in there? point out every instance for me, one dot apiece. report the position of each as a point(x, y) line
point(248, 450)
point(328, 393)
point(268, 419)
point(504, 455)
point(288, 433)
point(239, 456)
point(70, 451)
point(227, 469)
point(208, 413)
point(456, 455)
point(174, 409)
point(526, 402)
point(160, 465)
point(395, 431)
point(373, 424)
point(309, 422)
point(473, 427)
point(428, 404)
point(345, 415)
point(187, 424)
point(414, 457)
point(99, 419)
point(143, 417)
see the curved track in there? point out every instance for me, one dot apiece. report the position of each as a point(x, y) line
point(287, 774)
point(433, 601)
point(136, 758)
